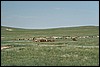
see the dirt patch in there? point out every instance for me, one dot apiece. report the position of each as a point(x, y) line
point(4, 47)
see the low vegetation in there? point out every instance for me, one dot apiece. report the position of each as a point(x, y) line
point(61, 52)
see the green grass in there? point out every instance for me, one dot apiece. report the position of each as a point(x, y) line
point(29, 53)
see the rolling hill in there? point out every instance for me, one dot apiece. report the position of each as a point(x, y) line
point(61, 52)
point(70, 31)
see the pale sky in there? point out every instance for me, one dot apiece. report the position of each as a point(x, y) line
point(49, 14)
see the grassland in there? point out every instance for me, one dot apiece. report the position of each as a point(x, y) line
point(62, 52)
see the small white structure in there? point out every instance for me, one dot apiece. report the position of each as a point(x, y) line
point(9, 29)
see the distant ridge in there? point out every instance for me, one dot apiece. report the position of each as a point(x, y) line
point(53, 28)
point(79, 31)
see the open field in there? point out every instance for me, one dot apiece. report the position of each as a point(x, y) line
point(18, 49)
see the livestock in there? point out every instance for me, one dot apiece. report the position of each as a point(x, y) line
point(21, 39)
point(40, 40)
point(33, 38)
point(43, 40)
point(66, 37)
point(54, 37)
point(73, 38)
point(50, 40)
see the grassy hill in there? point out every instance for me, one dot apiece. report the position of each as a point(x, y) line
point(71, 31)
point(62, 52)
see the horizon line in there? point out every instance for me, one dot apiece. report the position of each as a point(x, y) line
point(49, 27)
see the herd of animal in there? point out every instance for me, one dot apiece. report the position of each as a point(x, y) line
point(50, 39)
point(53, 38)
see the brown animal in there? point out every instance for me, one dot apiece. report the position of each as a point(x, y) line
point(73, 38)
point(50, 40)
point(21, 39)
point(43, 40)
point(40, 40)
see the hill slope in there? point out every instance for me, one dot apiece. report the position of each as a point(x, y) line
point(61, 52)
point(70, 31)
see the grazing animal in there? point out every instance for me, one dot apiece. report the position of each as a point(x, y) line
point(54, 37)
point(33, 38)
point(43, 40)
point(21, 39)
point(73, 38)
point(66, 37)
point(50, 40)
point(40, 40)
